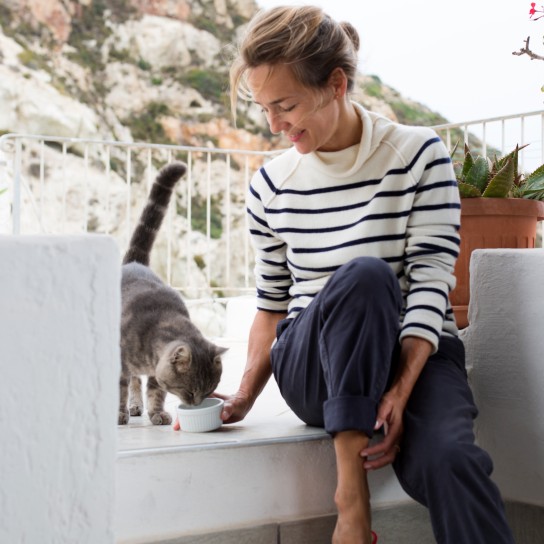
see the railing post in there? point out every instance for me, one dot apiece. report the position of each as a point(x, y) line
point(16, 205)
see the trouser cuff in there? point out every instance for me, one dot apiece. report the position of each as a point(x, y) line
point(350, 414)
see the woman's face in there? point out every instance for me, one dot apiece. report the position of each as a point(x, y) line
point(308, 118)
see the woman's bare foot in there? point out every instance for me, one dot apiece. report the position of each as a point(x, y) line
point(353, 522)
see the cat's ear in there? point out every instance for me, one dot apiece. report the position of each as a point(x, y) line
point(181, 358)
point(217, 357)
point(220, 350)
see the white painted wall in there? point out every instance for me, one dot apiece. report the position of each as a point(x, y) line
point(505, 346)
point(59, 345)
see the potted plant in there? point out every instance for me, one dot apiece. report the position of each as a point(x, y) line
point(500, 208)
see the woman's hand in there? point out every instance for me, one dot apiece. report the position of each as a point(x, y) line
point(236, 407)
point(389, 417)
point(413, 356)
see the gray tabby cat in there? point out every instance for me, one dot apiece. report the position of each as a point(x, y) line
point(158, 338)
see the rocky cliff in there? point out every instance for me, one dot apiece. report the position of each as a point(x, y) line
point(150, 70)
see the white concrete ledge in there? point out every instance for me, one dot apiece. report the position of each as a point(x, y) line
point(59, 336)
point(268, 469)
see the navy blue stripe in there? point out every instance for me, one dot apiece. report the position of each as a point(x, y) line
point(255, 193)
point(283, 264)
point(370, 217)
point(334, 209)
point(330, 268)
point(406, 169)
point(437, 162)
point(317, 270)
point(429, 290)
point(453, 239)
point(262, 295)
point(323, 190)
point(276, 277)
point(444, 206)
point(257, 218)
point(367, 240)
point(436, 185)
point(420, 326)
point(267, 179)
point(259, 233)
point(270, 249)
point(425, 307)
point(431, 250)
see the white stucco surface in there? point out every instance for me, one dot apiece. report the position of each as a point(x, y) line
point(59, 338)
point(505, 347)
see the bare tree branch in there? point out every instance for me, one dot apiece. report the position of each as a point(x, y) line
point(527, 51)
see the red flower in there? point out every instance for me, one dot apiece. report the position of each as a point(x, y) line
point(533, 11)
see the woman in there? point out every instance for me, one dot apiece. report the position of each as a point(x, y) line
point(355, 230)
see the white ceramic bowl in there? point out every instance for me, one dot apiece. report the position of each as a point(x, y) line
point(202, 418)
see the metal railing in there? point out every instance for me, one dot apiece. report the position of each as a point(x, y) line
point(53, 185)
point(500, 134)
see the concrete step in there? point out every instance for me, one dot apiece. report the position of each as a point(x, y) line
point(270, 470)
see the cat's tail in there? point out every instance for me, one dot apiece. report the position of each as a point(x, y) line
point(152, 215)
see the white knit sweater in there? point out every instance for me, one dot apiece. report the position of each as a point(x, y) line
point(393, 196)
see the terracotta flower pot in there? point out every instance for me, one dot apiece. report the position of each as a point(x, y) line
point(491, 223)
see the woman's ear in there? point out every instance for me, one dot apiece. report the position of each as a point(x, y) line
point(339, 82)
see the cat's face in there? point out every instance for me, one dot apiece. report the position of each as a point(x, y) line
point(190, 374)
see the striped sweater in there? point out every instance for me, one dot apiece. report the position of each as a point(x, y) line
point(392, 196)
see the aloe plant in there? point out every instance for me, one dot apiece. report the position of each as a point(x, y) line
point(497, 178)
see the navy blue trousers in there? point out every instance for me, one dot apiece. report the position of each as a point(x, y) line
point(335, 360)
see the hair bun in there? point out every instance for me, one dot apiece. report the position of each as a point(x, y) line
point(352, 34)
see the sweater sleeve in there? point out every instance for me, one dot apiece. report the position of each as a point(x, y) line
point(272, 276)
point(432, 243)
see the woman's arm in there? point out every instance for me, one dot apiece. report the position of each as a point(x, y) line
point(413, 356)
point(258, 370)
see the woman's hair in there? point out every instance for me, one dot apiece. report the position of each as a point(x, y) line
point(303, 37)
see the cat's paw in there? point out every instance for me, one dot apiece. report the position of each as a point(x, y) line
point(160, 418)
point(123, 418)
point(136, 410)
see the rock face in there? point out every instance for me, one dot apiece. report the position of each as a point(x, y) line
point(83, 68)
point(31, 104)
point(163, 42)
point(132, 69)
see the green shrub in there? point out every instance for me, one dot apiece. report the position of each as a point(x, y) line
point(374, 87)
point(208, 83)
point(121, 55)
point(32, 60)
point(146, 126)
point(144, 65)
point(199, 215)
point(199, 261)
